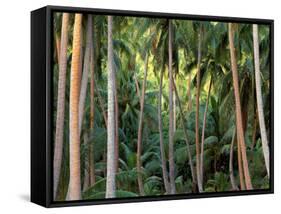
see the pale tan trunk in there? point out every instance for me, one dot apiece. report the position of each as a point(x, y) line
point(58, 46)
point(139, 145)
point(240, 132)
point(259, 99)
point(171, 116)
point(240, 166)
point(160, 125)
point(58, 148)
point(85, 75)
point(74, 148)
point(203, 133)
point(110, 175)
point(197, 134)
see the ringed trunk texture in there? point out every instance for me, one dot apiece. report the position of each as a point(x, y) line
point(139, 145)
point(171, 116)
point(240, 131)
point(110, 179)
point(160, 124)
point(199, 181)
point(86, 69)
point(58, 149)
point(259, 99)
point(203, 133)
point(74, 148)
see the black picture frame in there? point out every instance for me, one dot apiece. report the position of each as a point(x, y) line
point(41, 105)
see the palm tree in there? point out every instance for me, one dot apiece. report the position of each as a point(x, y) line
point(240, 132)
point(203, 132)
point(110, 175)
point(171, 115)
point(86, 66)
point(74, 148)
point(140, 182)
point(259, 98)
point(160, 125)
point(60, 103)
point(199, 180)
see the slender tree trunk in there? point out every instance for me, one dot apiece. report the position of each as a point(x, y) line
point(92, 117)
point(254, 133)
point(231, 175)
point(58, 149)
point(160, 123)
point(171, 116)
point(199, 182)
point(240, 166)
point(259, 99)
point(110, 180)
point(139, 145)
point(86, 182)
point(74, 148)
point(189, 95)
point(203, 133)
point(116, 129)
point(240, 132)
point(58, 45)
point(185, 135)
point(86, 69)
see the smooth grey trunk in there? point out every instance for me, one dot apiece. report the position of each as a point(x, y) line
point(171, 116)
point(139, 144)
point(203, 134)
point(86, 69)
point(183, 122)
point(160, 125)
point(231, 175)
point(110, 175)
point(58, 149)
point(259, 99)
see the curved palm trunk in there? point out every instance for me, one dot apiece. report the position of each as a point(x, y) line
point(92, 115)
point(231, 175)
point(240, 166)
point(203, 133)
point(185, 135)
point(171, 116)
point(199, 181)
point(139, 145)
point(160, 124)
point(110, 179)
point(240, 132)
point(74, 148)
point(259, 98)
point(58, 148)
point(86, 70)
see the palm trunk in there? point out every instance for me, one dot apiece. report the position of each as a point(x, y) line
point(185, 135)
point(240, 167)
point(240, 132)
point(86, 69)
point(231, 175)
point(203, 133)
point(110, 180)
point(58, 149)
point(58, 46)
point(199, 182)
point(162, 150)
point(92, 115)
point(171, 116)
point(139, 145)
point(74, 148)
point(116, 129)
point(259, 99)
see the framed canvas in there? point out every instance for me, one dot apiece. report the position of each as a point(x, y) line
point(130, 106)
